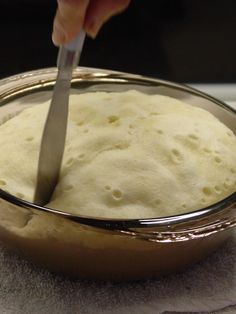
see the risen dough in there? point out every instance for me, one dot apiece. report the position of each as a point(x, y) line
point(127, 155)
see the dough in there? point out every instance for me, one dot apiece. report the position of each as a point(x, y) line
point(127, 155)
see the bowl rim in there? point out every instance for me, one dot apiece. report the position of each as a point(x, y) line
point(116, 223)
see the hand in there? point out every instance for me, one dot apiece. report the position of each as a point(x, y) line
point(72, 15)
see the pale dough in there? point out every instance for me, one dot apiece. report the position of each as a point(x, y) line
point(127, 155)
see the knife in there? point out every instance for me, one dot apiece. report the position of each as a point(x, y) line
point(54, 133)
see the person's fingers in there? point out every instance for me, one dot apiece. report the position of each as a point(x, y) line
point(99, 11)
point(69, 19)
point(73, 14)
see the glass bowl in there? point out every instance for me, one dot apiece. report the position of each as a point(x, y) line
point(113, 249)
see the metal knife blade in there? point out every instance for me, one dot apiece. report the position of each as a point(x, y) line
point(54, 133)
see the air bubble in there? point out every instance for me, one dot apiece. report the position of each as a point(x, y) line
point(226, 186)
point(207, 150)
point(217, 189)
point(68, 187)
point(80, 123)
point(175, 152)
point(112, 119)
point(218, 159)
point(29, 139)
point(176, 155)
point(206, 190)
point(227, 183)
point(70, 161)
point(157, 202)
point(193, 137)
point(20, 195)
point(117, 194)
point(122, 145)
point(81, 156)
point(230, 133)
point(2, 182)
point(107, 187)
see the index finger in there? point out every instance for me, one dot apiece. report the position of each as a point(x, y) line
point(69, 20)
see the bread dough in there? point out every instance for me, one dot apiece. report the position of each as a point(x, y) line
point(127, 155)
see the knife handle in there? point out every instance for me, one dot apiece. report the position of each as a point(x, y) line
point(77, 43)
point(69, 54)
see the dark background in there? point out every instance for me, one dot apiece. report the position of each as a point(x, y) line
point(179, 40)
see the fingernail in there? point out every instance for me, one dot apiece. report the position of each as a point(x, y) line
point(58, 35)
point(92, 34)
point(93, 28)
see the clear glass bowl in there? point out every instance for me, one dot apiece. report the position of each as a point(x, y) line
point(89, 247)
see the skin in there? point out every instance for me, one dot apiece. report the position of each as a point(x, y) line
point(72, 15)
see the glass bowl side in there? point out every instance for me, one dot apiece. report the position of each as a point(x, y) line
point(212, 219)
